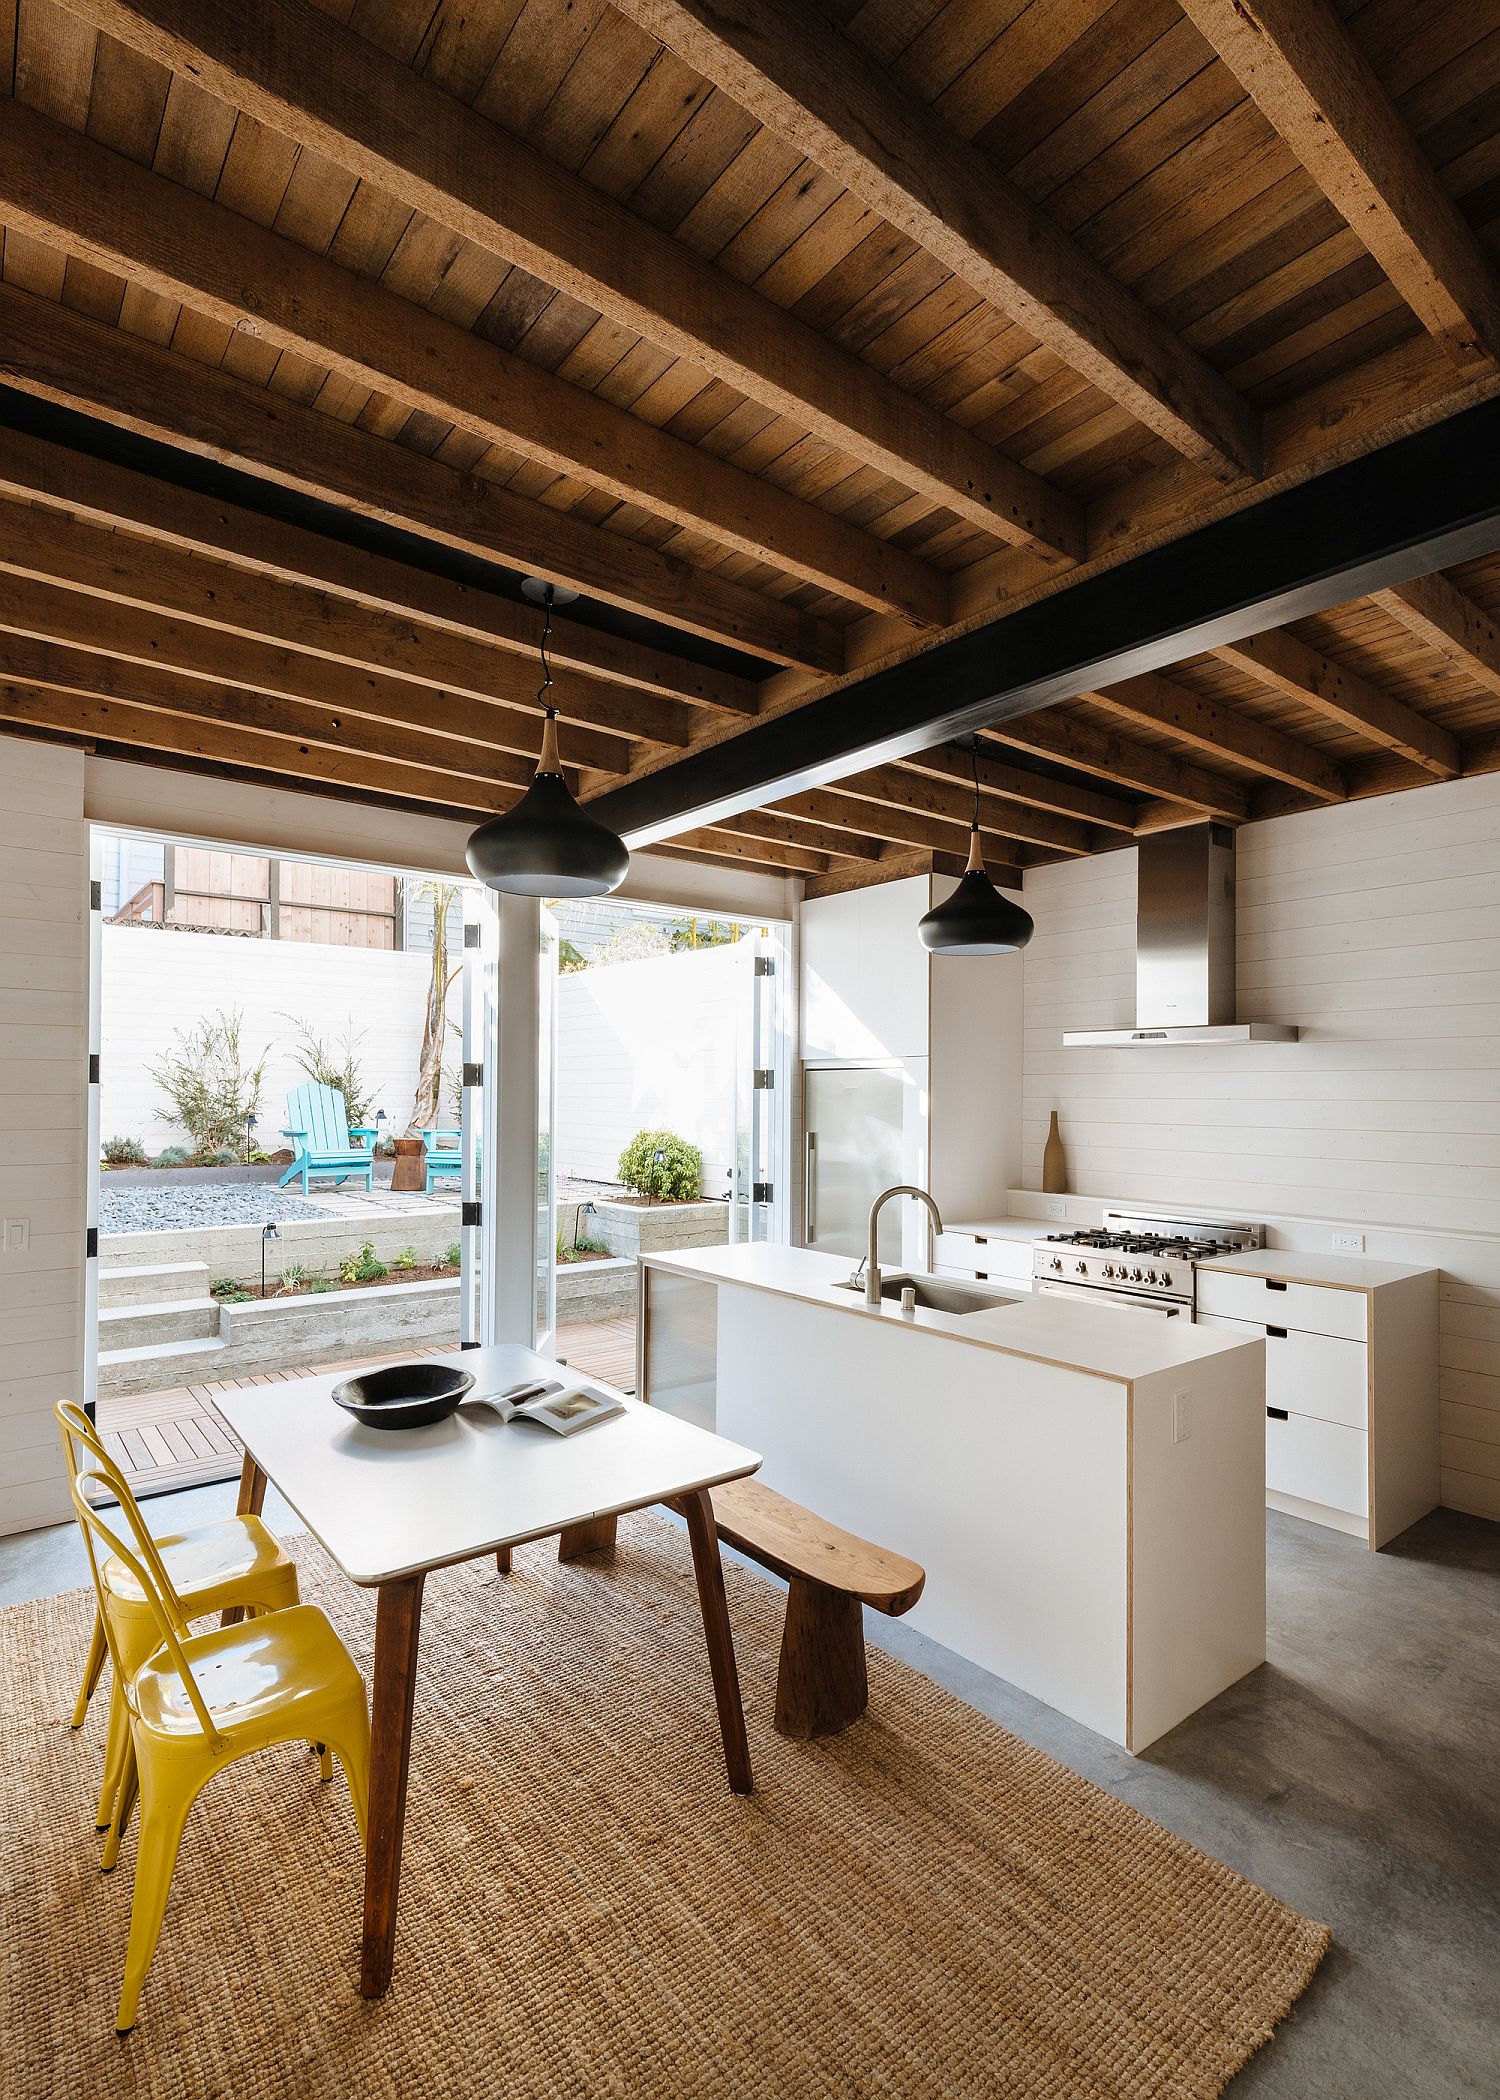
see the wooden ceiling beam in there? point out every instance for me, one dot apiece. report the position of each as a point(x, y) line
point(827, 808)
point(1071, 741)
point(793, 70)
point(1289, 666)
point(1064, 798)
point(906, 787)
point(446, 733)
point(1208, 727)
point(1438, 613)
point(1020, 813)
point(234, 738)
point(49, 350)
point(767, 853)
point(221, 617)
point(837, 843)
point(60, 187)
point(1309, 79)
point(290, 66)
point(255, 545)
point(899, 864)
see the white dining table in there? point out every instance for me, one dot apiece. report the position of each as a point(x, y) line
point(388, 1506)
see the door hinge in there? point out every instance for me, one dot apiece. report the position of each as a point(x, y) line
point(91, 1243)
point(765, 966)
point(93, 1068)
point(96, 896)
point(471, 1214)
point(471, 936)
point(473, 1075)
point(760, 1192)
point(764, 1077)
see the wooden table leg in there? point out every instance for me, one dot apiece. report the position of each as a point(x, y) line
point(698, 1509)
point(398, 1623)
point(251, 1501)
point(593, 1535)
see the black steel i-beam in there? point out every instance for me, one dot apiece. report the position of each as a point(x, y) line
point(1422, 503)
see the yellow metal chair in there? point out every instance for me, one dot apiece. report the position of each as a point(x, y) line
point(232, 1561)
point(201, 1701)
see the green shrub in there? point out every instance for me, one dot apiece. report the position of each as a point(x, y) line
point(453, 1255)
point(292, 1277)
point(336, 1064)
point(230, 1291)
point(675, 1177)
point(226, 1156)
point(579, 1250)
point(406, 1259)
point(317, 1286)
point(172, 1156)
point(212, 1085)
point(123, 1152)
point(364, 1267)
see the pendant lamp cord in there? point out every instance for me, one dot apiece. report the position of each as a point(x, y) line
point(548, 761)
point(976, 853)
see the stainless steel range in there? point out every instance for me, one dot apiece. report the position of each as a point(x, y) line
point(1136, 1260)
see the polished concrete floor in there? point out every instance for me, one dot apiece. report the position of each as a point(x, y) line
point(1357, 1775)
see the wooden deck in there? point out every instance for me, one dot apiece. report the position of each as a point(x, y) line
point(177, 1438)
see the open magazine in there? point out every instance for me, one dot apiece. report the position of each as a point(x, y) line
point(556, 1405)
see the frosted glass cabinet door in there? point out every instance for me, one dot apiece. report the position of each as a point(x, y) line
point(854, 1117)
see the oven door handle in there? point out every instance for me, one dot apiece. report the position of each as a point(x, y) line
point(1102, 1294)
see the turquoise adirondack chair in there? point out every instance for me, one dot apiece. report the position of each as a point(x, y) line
point(444, 1161)
point(318, 1126)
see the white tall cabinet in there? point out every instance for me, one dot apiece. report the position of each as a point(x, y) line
point(873, 998)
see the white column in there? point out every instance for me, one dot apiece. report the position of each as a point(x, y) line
point(510, 1219)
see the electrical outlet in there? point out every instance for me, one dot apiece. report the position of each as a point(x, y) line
point(16, 1236)
point(1182, 1418)
point(1056, 1208)
point(1348, 1243)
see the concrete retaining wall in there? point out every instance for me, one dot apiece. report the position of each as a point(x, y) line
point(320, 1245)
point(632, 1229)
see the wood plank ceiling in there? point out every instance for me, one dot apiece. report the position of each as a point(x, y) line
point(795, 337)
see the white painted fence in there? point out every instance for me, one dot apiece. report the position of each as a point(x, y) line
point(649, 1044)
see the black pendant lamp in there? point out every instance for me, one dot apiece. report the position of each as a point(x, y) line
point(546, 845)
point(976, 919)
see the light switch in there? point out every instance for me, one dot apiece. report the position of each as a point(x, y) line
point(16, 1237)
point(1182, 1418)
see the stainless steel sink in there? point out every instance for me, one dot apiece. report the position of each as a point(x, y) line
point(939, 1293)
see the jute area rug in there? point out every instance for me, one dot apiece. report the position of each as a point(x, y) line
point(922, 1907)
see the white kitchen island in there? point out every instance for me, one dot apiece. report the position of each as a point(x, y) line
point(1085, 1486)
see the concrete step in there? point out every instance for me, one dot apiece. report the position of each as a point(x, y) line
point(152, 1283)
point(156, 1323)
point(158, 1367)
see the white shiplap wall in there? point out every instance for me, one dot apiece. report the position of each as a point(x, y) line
point(43, 1051)
point(1375, 926)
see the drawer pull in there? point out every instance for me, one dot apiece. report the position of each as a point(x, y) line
point(1273, 1285)
point(981, 1276)
point(1279, 1332)
point(1277, 1414)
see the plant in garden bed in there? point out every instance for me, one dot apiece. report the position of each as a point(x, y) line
point(123, 1152)
point(213, 1086)
point(406, 1259)
point(336, 1064)
point(663, 1166)
point(580, 1250)
point(292, 1278)
point(230, 1291)
point(452, 1256)
point(173, 1156)
point(364, 1267)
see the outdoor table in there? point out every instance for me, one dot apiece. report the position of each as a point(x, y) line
point(389, 1505)
point(409, 1174)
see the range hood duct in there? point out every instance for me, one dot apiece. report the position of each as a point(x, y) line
point(1184, 947)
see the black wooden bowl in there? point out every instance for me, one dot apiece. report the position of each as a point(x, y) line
point(403, 1396)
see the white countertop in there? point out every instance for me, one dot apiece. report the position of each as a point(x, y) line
point(1105, 1341)
point(1340, 1272)
point(1027, 1229)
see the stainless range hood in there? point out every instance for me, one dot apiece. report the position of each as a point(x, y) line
point(1184, 947)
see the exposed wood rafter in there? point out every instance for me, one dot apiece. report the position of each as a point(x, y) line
point(291, 67)
point(1305, 73)
point(1439, 613)
point(1210, 728)
point(1070, 741)
point(59, 186)
point(1331, 689)
point(793, 70)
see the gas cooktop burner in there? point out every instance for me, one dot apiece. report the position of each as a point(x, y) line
point(1140, 1243)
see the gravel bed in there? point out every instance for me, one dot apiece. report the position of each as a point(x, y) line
point(200, 1205)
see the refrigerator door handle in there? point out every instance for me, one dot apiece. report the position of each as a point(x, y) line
point(809, 1164)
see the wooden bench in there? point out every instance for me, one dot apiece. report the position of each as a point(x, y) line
point(821, 1683)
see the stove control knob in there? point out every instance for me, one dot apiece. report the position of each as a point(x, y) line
point(1152, 1277)
point(1109, 1268)
point(1083, 1268)
point(1057, 1261)
point(1136, 1276)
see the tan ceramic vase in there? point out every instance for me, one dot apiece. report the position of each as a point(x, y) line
point(1054, 1162)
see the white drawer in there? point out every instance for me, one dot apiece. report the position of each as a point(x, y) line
point(973, 1254)
point(1318, 1462)
point(1309, 1374)
point(1311, 1308)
